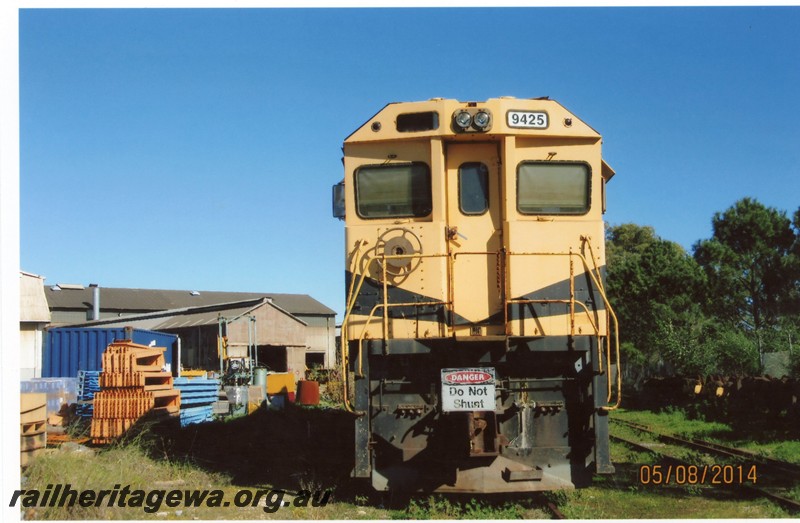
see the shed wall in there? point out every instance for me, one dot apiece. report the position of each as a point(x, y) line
point(273, 328)
point(30, 354)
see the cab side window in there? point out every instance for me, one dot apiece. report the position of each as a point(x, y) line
point(553, 188)
point(393, 191)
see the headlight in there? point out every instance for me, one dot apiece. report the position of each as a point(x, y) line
point(481, 120)
point(472, 120)
point(463, 119)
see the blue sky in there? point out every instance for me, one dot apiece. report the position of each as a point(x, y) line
point(196, 148)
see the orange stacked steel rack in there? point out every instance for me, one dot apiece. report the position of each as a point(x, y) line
point(148, 380)
point(132, 385)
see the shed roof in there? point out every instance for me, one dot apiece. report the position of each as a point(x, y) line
point(143, 300)
point(188, 316)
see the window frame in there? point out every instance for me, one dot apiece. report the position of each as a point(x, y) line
point(404, 122)
point(428, 180)
point(460, 192)
point(588, 204)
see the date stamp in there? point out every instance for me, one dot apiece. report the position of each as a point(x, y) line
point(698, 474)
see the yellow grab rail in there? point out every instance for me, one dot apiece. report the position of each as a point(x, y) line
point(592, 270)
point(610, 309)
point(597, 280)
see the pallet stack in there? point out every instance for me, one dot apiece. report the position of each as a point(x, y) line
point(197, 398)
point(132, 385)
point(33, 426)
point(88, 386)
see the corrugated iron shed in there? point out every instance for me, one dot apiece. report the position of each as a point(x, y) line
point(188, 316)
point(143, 300)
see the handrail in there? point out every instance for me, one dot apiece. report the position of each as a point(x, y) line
point(592, 270)
point(597, 280)
point(343, 345)
point(345, 352)
point(595, 328)
point(602, 289)
point(570, 254)
point(385, 307)
point(610, 309)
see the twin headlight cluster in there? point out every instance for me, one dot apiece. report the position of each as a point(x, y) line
point(472, 120)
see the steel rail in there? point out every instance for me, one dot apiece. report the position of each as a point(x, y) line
point(557, 514)
point(790, 504)
point(784, 467)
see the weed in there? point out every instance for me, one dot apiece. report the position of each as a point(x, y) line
point(442, 507)
point(557, 497)
point(331, 388)
point(483, 510)
point(694, 490)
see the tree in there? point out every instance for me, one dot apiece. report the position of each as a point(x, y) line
point(657, 290)
point(749, 268)
point(793, 264)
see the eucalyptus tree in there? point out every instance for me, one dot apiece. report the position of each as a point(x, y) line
point(657, 290)
point(751, 265)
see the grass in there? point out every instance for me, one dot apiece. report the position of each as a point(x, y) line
point(312, 449)
point(631, 502)
point(769, 438)
point(102, 470)
point(132, 465)
point(783, 450)
point(676, 422)
point(451, 507)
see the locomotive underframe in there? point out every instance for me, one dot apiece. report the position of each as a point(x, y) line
point(547, 430)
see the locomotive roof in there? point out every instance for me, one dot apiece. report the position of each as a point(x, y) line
point(561, 122)
point(499, 107)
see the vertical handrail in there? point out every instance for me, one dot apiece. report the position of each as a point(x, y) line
point(506, 289)
point(451, 295)
point(571, 294)
point(610, 311)
point(587, 240)
point(354, 291)
point(343, 341)
point(385, 299)
point(596, 278)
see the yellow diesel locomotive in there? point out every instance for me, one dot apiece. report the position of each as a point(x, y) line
point(477, 335)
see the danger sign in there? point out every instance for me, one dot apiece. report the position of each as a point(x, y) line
point(467, 390)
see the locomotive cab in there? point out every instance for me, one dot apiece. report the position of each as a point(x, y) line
point(477, 331)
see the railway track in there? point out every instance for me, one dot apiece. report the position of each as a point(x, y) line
point(554, 509)
point(779, 471)
point(778, 467)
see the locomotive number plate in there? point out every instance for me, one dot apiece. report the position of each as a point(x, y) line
point(527, 119)
point(467, 390)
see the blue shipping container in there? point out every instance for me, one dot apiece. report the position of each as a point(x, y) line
point(70, 349)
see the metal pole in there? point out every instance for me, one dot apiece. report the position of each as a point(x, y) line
point(255, 330)
point(220, 319)
point(250, 348)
